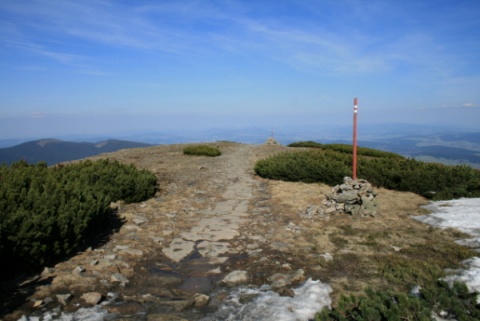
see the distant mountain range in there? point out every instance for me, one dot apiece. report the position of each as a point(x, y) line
point(450, 146)
point(55, 151)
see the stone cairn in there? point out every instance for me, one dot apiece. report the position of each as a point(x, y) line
point(271, 141)
point(354, 197)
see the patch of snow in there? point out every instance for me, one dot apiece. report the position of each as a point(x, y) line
point(84, 314)
point(96, 313)
point(309, 298)
point(464, 215)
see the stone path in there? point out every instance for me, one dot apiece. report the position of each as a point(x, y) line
point(217, 226)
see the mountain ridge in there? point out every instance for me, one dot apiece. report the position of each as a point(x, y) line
point(452, 146)
point(53, 151)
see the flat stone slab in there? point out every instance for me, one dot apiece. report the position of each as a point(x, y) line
point(212, 249)
point(214, 229)
point(179, 249)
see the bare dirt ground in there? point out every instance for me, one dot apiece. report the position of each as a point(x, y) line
point(211, 216)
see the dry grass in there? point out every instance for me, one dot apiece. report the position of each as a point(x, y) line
point(370, 251)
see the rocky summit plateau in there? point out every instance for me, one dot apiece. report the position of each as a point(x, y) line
point(213, 226)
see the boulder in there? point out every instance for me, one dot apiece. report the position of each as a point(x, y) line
point(118, 278)
point(64, 298)
point(200, 300)
point(92, 298)
point(79, 269)
point(236, 277)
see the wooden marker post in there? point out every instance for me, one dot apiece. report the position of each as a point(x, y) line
point(354, 152)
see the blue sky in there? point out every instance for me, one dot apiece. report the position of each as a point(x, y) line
point(107, 67)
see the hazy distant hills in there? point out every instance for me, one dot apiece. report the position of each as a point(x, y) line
point(55, 151)
point(428, 143)
point(447, 148)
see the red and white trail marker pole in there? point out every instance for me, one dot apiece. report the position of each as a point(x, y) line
point(354, 152)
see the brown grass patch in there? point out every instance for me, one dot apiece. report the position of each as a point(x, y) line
point(389, 251)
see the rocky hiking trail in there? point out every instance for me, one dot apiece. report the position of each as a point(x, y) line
point(213, 225)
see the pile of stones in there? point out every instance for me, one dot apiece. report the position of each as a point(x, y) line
point(354, 197)
point(271, 141)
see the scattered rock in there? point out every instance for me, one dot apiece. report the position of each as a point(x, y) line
point(297, 276)
point(121, 247)
point(139, 220)
point(110, 257)
point(279, 246)
point(247, 297)
point(286, 292)
point(128, 307)
point(47, 271)
point(92, 298)
point(236, 277)
point(38, 304)
point(118, 278)
point(327, 257)
point(79, 269)
point(64, 298)
point(157, 239)
point(178, 304)
point(133, 252)
point(163, 317)
point(281, 280)
point(201, 300)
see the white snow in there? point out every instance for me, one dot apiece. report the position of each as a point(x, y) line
point(464, 215)
point(96, 313)
point(309, 298)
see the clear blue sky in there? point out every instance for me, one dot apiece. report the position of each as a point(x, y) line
point(105, 66)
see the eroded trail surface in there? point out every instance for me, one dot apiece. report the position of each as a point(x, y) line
point(216, 227)
point(213, 225)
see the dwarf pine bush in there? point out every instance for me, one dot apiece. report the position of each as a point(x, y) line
point(201, 150)
point(431, 180)
point(452, 302)
point(347, 149)
point(47, 213)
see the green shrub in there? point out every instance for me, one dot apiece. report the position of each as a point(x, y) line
point(305, 166)
point(201, 150)
point(348, 149)
point(437, 297)
point(434, 181)
point(47, 213)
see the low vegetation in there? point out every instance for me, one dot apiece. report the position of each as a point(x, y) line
point(438, 298)
point(201, 150)
point(328, 165)
point(47, 213)
point(347, 149)
point(378, 282)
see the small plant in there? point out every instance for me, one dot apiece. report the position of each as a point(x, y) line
point(201, 150)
